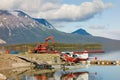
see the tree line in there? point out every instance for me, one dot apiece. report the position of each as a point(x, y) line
point(57, 46)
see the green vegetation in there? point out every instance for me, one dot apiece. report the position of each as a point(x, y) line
point(58, 47)
point(77, 47)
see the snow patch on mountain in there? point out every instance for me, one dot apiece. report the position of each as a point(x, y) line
point(14, 13)
point(2, 41)
point(9, 31)
point(1, 24)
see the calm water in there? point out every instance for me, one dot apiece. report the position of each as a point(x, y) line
point(89, 73)
point(107, 55)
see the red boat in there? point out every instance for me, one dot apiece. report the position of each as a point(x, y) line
point(78, 56)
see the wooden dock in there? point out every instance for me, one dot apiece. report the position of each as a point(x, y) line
point(101, 62)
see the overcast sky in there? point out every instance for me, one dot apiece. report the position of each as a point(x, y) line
point(98, 17)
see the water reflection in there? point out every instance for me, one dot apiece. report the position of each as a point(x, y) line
point(30, 75)
point(45, 76)
point(76, 76)
point(54, 76)
point(58, 75)
point(90, 73)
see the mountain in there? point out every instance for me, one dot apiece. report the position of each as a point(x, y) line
point(81, 32)
point(17, 27)
point(44, 22)
point(19, 13)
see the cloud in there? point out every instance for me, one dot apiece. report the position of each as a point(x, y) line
point(5, 4)
point(29, 5)
point(98, 27)
point(53, 10)
point(107, 33)
point(114, 34)
point(82, 12)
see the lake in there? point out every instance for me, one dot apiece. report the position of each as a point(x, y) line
point(89, 73)
point(112, 55)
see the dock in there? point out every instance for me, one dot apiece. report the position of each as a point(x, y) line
point(101, 62)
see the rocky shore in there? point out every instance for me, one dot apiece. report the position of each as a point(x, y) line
point(13, 61)
point(16, 63)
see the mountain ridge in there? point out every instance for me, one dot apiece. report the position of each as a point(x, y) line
point(81, 31)
point(44, 22)
point(18, 29)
